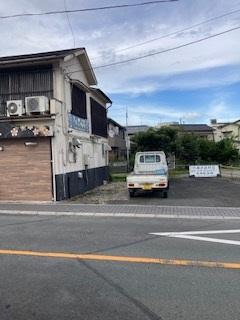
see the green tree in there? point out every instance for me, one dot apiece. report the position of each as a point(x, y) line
point(163, 138)
point(207, 151)
point(226, 153)
point(188, 148)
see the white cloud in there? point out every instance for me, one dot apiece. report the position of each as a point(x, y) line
point(107, 31)
point(151, 115)
point(219, 109)
point(103, 33)
point(190, 80)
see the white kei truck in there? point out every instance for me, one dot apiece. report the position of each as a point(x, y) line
point(150, 173)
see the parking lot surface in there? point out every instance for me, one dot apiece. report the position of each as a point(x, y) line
point(201, 192)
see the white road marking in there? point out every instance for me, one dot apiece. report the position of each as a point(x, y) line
point(236, 243)
point(191, 235)
point(198, 232)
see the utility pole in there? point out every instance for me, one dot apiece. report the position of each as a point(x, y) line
point(127, 139)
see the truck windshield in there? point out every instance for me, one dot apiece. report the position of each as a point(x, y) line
point(150, 158)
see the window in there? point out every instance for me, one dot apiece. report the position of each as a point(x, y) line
point(79, 107)
point(98, 118)
point(150, 158)
point(18, 83)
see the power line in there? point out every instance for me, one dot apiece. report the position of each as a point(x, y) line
point(178, 31)
point(86, 9)
point(173, 33)
point(69, 23)
point(159, 52)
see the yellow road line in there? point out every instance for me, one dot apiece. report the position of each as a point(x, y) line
point(173, 262)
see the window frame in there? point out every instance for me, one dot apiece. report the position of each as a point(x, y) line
point(78, 102)
point(147, 155)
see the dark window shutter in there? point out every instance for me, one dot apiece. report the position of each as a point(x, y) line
point(99, 119)
point(79, 107)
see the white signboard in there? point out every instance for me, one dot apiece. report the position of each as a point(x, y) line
point(204, 171)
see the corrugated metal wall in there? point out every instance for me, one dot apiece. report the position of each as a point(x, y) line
point(16, 84)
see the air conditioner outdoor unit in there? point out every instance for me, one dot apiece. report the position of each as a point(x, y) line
point(38, 104)
point(15, 108)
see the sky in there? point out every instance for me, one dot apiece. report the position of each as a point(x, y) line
point(192, 84)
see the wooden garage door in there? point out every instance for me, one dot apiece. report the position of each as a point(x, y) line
point(25, 171)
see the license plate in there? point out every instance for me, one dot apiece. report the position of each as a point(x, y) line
point(147, 187)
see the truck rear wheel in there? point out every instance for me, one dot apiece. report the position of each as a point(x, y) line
point(165, 194)
point(131, 193)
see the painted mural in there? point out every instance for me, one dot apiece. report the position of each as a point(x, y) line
point(12, 131)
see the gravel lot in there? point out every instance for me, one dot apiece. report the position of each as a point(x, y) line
point(206, 192)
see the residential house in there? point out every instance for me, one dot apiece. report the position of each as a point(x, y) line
point(132, 130)
point(229, 130)
point(53, 126)
point(167, 124)
point(217, 129)
point(117, 141)
point(200, 130)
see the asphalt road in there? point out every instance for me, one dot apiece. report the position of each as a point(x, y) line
point(209, 192)
point(201, 192)
point(59, 285)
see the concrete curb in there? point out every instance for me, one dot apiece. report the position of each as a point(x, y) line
point(119, 215)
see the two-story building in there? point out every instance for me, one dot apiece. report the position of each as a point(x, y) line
point(228, 130)
point(53, 126)
point(132, 130)
point(117, 141)
point(202, 131)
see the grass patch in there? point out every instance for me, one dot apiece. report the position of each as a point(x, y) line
point(174, 173)
point(230, 167)
point(118, 177)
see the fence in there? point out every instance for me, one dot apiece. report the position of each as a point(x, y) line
point(118, 167)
